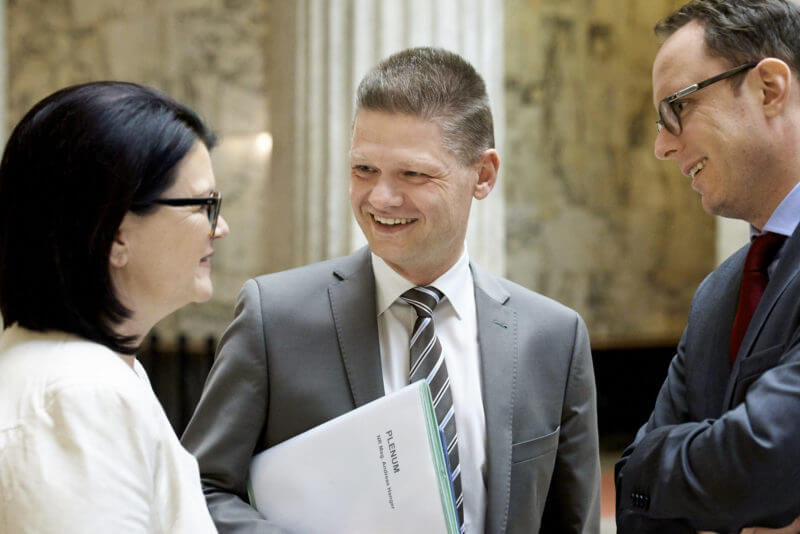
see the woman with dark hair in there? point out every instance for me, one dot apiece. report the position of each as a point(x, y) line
point(108, 213)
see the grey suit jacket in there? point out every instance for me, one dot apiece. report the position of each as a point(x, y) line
point(721, 449)
point(303, 348)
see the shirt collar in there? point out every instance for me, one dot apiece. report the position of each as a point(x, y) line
point(786, 216)
point(456, 284)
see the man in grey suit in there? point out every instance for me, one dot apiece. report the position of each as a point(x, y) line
point(721, 450)
point(312, 343)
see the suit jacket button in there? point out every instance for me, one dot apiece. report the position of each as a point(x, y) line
point(640, 500)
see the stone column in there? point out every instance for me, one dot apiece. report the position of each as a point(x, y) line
point(322, 48)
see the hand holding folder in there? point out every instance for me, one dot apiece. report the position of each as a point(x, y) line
point(378, 468)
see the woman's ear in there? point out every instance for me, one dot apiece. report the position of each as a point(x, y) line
point(120, 247)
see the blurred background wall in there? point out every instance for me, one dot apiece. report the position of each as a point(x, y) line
point(584, 213)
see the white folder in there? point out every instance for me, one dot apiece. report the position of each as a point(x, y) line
point(380, 468)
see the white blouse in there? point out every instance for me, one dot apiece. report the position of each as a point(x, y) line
point(85, 445)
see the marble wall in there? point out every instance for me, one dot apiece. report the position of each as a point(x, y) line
point(209, 54)
point(593, 219)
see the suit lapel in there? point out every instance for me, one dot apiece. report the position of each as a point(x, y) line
point(497, 339)
point(785, 272)
point(352, 299)
point(716, 368)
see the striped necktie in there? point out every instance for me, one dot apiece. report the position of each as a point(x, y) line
point(427, 362)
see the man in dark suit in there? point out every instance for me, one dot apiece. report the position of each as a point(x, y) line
point(721, 450)
point(312, 343)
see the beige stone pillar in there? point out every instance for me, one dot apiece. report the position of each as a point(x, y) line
point(322, 49)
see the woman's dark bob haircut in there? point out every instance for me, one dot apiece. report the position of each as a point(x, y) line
point(71, 170)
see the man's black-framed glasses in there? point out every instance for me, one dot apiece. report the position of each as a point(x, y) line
point(669, 117)
point(213, 204)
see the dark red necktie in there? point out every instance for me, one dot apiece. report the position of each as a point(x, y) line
point(754, 281)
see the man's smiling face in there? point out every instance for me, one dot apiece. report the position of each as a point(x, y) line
point(410, 195)
point(718, 147)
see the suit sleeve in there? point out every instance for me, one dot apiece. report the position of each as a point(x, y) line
point(573, 502)
point(703, 470)
point(231, 415)
point(671, 408)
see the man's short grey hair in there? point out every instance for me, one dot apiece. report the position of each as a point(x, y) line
point(436, 85)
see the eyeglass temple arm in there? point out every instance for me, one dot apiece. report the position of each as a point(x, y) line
point(727, 74)
point(696, 87)
point(186, 201)
point(685, 91)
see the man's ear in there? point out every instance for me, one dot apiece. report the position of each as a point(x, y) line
point(774, 79)
point(120, 247)
point(487, 165)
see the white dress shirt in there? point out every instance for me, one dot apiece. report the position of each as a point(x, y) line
point(85, 445)
point(783, 221)
point(455, 323)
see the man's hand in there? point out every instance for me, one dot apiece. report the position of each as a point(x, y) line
point(792, 528)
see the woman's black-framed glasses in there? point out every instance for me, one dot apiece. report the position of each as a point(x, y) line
point(668, 116)
point(213, 204)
